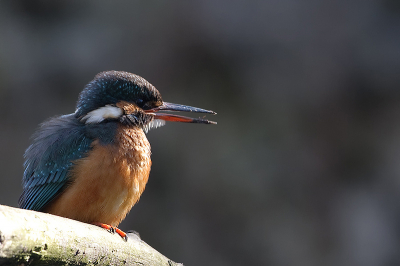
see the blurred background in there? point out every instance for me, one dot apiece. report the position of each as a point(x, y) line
point(303, 166)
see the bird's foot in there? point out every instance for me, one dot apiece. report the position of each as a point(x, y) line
point(113, 229)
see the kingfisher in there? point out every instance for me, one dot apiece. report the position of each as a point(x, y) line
point(93, 165)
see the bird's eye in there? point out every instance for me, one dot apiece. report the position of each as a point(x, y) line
point(139, 102)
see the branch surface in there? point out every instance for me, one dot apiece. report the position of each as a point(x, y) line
point(35, 238)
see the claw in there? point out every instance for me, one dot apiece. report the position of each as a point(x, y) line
point(113, 229)
point(121, 233)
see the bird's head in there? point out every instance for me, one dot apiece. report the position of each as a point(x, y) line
point(129, 99)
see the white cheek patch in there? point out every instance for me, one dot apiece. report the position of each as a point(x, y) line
point(98, 115)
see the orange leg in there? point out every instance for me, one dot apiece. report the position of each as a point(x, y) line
point(113, 229)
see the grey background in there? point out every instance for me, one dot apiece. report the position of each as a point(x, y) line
point(303, 166)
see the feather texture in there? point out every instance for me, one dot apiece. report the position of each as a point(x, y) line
point(58, 142)
point(108, 181)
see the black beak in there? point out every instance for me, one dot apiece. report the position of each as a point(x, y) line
point(180, 108)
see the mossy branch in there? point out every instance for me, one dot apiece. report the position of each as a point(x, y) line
point(35, 238)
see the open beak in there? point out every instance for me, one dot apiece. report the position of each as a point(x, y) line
point(180, 108)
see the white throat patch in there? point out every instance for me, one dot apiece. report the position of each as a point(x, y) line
point(153, 124)
point(102, 113)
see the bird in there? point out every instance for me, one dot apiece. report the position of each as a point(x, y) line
point(93, 165)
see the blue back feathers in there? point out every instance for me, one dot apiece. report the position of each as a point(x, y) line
point(57, 143)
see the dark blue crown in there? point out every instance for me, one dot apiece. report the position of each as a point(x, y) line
point(111, 87)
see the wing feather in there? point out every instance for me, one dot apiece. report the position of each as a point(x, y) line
point(57, 144)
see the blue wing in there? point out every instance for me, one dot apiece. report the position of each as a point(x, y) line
point(56, 145)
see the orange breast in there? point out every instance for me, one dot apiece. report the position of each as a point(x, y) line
point(108, 182)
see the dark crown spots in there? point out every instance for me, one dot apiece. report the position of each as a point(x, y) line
point(111, 87)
